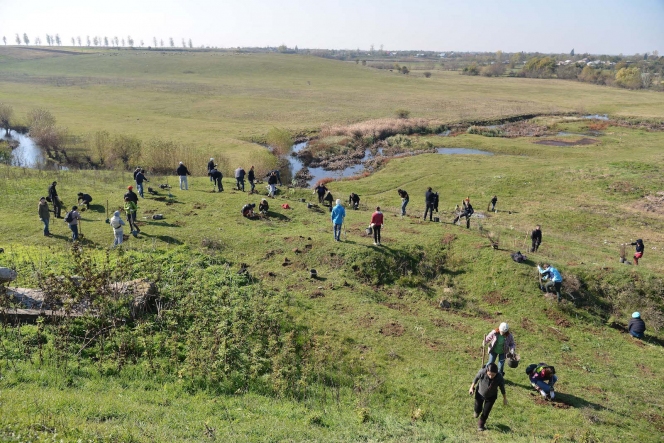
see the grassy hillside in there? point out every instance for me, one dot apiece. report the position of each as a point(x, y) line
point(379, 359)
point(218, 100)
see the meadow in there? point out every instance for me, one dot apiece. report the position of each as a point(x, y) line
point(365, 352)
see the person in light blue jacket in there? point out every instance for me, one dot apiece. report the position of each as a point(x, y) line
point(550, 278)
point(338, 214)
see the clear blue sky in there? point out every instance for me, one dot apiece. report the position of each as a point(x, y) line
point(594, 26)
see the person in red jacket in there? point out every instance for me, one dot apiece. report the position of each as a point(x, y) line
point(376, 224)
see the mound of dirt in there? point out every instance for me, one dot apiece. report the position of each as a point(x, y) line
point(393, 329)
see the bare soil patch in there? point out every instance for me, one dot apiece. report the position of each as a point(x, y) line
point(651, 203)
point(495, 298)
point(557, 317)
point(393, 329)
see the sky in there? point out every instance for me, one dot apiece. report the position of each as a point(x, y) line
point(548, 26)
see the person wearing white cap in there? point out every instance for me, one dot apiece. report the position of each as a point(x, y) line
point(338, 214)
point(636, 326)
point(183, 172)
point(501, 342)
point(117, 223)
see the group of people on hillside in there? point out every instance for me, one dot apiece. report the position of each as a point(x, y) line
point(490, 378)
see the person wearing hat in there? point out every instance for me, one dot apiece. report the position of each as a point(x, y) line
point(117, 223)
point(130, 209)
point(337, 215)
point(53, 195)
point(542, 378)
point(501, 342)
point(44, 214)
point(72, 218)
point(485, 387)
point(636, 326)
point(183, 172)
point(131, 195)
point(639, 250)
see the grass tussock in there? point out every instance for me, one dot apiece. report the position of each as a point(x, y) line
point(382, 128)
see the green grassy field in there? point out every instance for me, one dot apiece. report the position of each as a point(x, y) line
point(394, 366)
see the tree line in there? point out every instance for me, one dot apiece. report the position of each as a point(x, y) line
point(55, 40)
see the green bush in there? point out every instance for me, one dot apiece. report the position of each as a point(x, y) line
point(402, 113)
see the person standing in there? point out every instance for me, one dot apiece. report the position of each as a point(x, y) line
point(552, 277)
point(44, 214)
point(404, 201)
point(542, 378)
point(485, 387)
point(640, 248)
point(494, 200)
point(183, 172)
point(429, 199)
point(536, 238)
point(117, 223)
point(239, 178)
point(216, 177)
point(72, 218)
point(272, 184)
point(53, 195)
point(140, 178)
point(376, 225)
point(321, 190)
point(130, 209)
point(501, 342)
point(251, 176)
point(338, 214)
point(131, 195)
point(210, 167)
point(636, 326)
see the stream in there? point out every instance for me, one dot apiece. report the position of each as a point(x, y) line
point(28, 154)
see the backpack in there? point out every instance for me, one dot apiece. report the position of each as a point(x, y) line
point(69, 217)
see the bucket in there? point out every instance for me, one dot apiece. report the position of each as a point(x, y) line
point(369, 231)
point(303, 200)
point(436, 219)
point(513, 361)
point(313, 273)
point(309, 206)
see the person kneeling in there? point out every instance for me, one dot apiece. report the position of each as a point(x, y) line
point(542, 378)
point(248, 210)
point(263, 207)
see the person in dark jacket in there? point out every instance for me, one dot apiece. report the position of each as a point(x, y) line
point(44, 214)
point(136, 171)
point(485, 387)
point(404, 201)
point(251, 176)
point(467, 212)
point(536, 238)
point(263, 207)
point(272, 184)
point(639, 250)
point(354, 200)
point(494, 200)
point(84, 199)
point(216, 177)
point(183, 172)
point(131, 195)
point(429, 199)
point(436, 200)
point(329, 199)
point(636, 326)
point(239, 178)
point(53, 195)
point(321, 190)
point(140, 178)
point(248, 210)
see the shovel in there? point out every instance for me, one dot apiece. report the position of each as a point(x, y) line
point(107, 220)
point(482, 350)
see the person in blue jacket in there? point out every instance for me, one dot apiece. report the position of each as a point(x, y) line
point(636, 326)
point(551, 278)
point(338, 214)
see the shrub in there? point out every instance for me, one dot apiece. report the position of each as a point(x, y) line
point(125, 151)
point(6, 114)
point(280, 139)
point(402, 113)
point(629, 78)
point(402, 141)
point(427, 74)
point(494, 70)
point(404, 70)
point(471, 69)
point(540, 67)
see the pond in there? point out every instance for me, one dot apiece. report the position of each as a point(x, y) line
point(28, 154)
point(292, 165)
